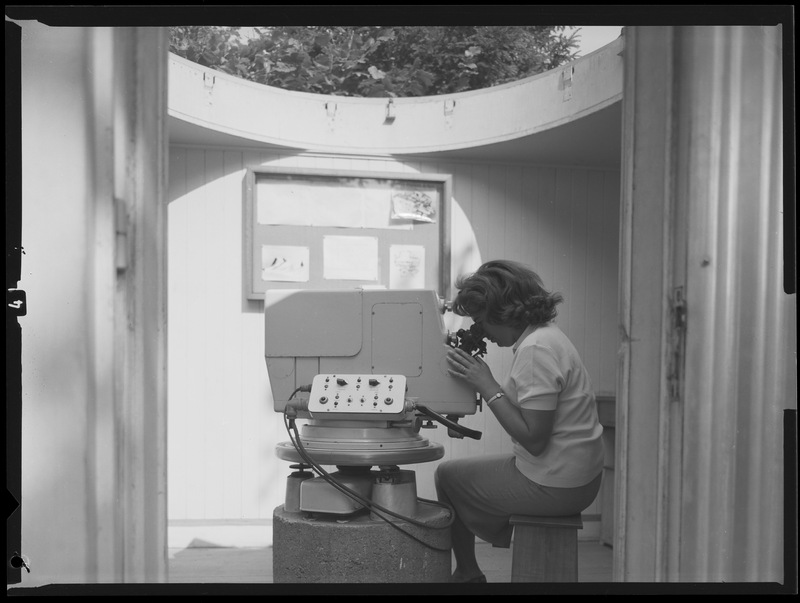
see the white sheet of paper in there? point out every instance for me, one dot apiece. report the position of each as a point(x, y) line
point(407, 267)
point(292, 203)
point(350, 258)
point(284, 263)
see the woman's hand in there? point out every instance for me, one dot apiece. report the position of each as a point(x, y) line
point(473, 370)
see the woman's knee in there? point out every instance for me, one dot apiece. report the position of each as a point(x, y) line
point(439, 475)
point(442, 477)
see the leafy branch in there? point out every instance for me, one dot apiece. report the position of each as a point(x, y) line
point(378, 61)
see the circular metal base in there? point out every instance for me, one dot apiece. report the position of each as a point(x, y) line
point(356, 445)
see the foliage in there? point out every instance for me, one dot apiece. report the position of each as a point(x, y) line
point(377, 61)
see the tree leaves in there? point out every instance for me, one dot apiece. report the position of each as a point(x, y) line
point(377, 61)
point(376, 73)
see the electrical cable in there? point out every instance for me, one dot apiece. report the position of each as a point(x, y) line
point(302, 388)
point(464, 431)
point(298, 445)
point(373, 507)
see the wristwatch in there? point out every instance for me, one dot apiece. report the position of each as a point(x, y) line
point(499, 394)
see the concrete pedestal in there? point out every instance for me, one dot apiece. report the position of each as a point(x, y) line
point(359, 549)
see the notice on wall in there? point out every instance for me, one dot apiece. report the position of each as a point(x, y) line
point(338, 204)
point(350, 258)
point(416, 205)
point(287, 263)
point(334, 228)
point(407, 267)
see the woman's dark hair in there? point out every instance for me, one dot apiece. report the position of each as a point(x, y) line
point(506, 292)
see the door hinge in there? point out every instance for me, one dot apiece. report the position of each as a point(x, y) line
point(121, 224)
point(677, 344)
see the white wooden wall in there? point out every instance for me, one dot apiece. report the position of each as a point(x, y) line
point(564, 222)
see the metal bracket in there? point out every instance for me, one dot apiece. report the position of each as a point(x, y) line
point(330, 109)
point(677, 336)
point(449, 109)
point(390, 112)
point(566, 82)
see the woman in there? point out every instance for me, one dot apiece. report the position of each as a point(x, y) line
point(546, 405)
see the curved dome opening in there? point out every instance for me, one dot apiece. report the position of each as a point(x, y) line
point(570, 115)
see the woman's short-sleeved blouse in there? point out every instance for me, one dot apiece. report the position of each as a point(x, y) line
point(548, 374)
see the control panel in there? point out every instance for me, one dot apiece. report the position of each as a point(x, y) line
point(349, 395)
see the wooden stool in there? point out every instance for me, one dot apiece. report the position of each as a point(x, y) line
point(545, 548)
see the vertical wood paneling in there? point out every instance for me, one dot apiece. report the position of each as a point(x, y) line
point(259, 423)
point(593, 277)
point(223, 430)
point(609, 257)
point(562, 225)
point(177, 325)
point(578, 273)
point(546, 218)
point(194, 341)
point(515, 214)
point(465, 256)
point(479, 216)
point(230, 283)
point(530, 195)
point(497, 202)
point(250, 425)
point(593, 313)
point(214, 377)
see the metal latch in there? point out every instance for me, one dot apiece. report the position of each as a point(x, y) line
point(677, 339)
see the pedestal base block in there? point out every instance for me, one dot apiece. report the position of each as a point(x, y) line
point(359, 549)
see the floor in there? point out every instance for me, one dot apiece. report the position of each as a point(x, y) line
point(214, 558)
